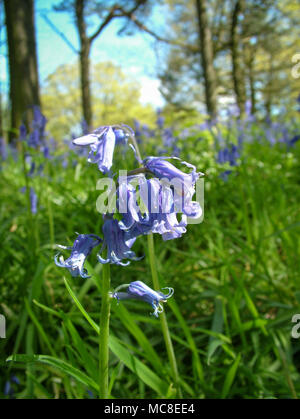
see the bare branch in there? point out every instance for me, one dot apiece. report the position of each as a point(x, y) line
point(61, 34)
point(111, 15)
point(144, 28)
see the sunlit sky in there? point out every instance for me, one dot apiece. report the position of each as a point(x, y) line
point(135, 54)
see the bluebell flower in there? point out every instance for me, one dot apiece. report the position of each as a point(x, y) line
point(183, 183)
point(270, 136)
point(33, 199)
point(139, 291)
point(168, 137)
point(84, 126)
point(102, 144)
point(9, 388)
point(121, 136)
point(127, 203)
point(298, 101)
point(118, 244)
point(228, 155)
point(82, 247)
point(36, 137)
point(248, 110)
point(161, 168)
point(292, 141)
point(3, 149)
point(138, 131)
point(22, 132)
point(156, 212)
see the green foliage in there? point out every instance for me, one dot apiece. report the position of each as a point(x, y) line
point(236, 281)
point(114, 95)
point(268, 39)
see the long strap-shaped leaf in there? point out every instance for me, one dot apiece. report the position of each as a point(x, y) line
point(59, 364)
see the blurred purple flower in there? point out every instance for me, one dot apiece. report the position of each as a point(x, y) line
point(228, 155)
point(3, 149)
point(33, 199)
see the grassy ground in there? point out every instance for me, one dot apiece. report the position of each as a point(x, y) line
point(236, 278)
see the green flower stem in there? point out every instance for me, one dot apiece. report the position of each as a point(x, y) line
point(30, 224)
point(49, 206)
point(104, 333)
point(163, 319)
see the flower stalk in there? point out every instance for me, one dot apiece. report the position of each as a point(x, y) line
point(163, 319)
point(104, 333)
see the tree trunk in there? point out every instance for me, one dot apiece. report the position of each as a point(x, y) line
point(84, 63)
point(1, 114)
point(252, 83)
point(23, 69)
point(268, 91)
point(237, 62)
point(206, 51)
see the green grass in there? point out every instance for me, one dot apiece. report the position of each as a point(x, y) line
point(236, 278)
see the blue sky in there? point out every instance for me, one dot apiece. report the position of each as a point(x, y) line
point(134, 54)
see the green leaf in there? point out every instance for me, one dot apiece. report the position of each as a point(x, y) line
point(230, 377)
point(59, 364)
point(137, 367)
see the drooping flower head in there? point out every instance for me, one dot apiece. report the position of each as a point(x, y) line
point(139, 291)
point(154, 213)
point(183, 183)
point(118, 244)
point(162, 168)
point(102, 143)
point(82, 247)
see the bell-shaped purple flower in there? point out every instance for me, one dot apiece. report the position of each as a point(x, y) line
point(183, 183)
point(82, 247)
point(139, 291)
point(162, 168)
point(102, 144)
point(118, 244)
point(155, 212)
point(126, 204)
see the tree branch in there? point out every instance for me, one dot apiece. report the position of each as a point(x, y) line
point(109, 17)
point(140, 25)
point(61, 34)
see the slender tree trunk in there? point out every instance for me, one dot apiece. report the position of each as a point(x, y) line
point(269, 88)
point(1, 114)
point(252, 83)
point(206, 51)
point(237, 62)
point(23, 69)
point(84, 62)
